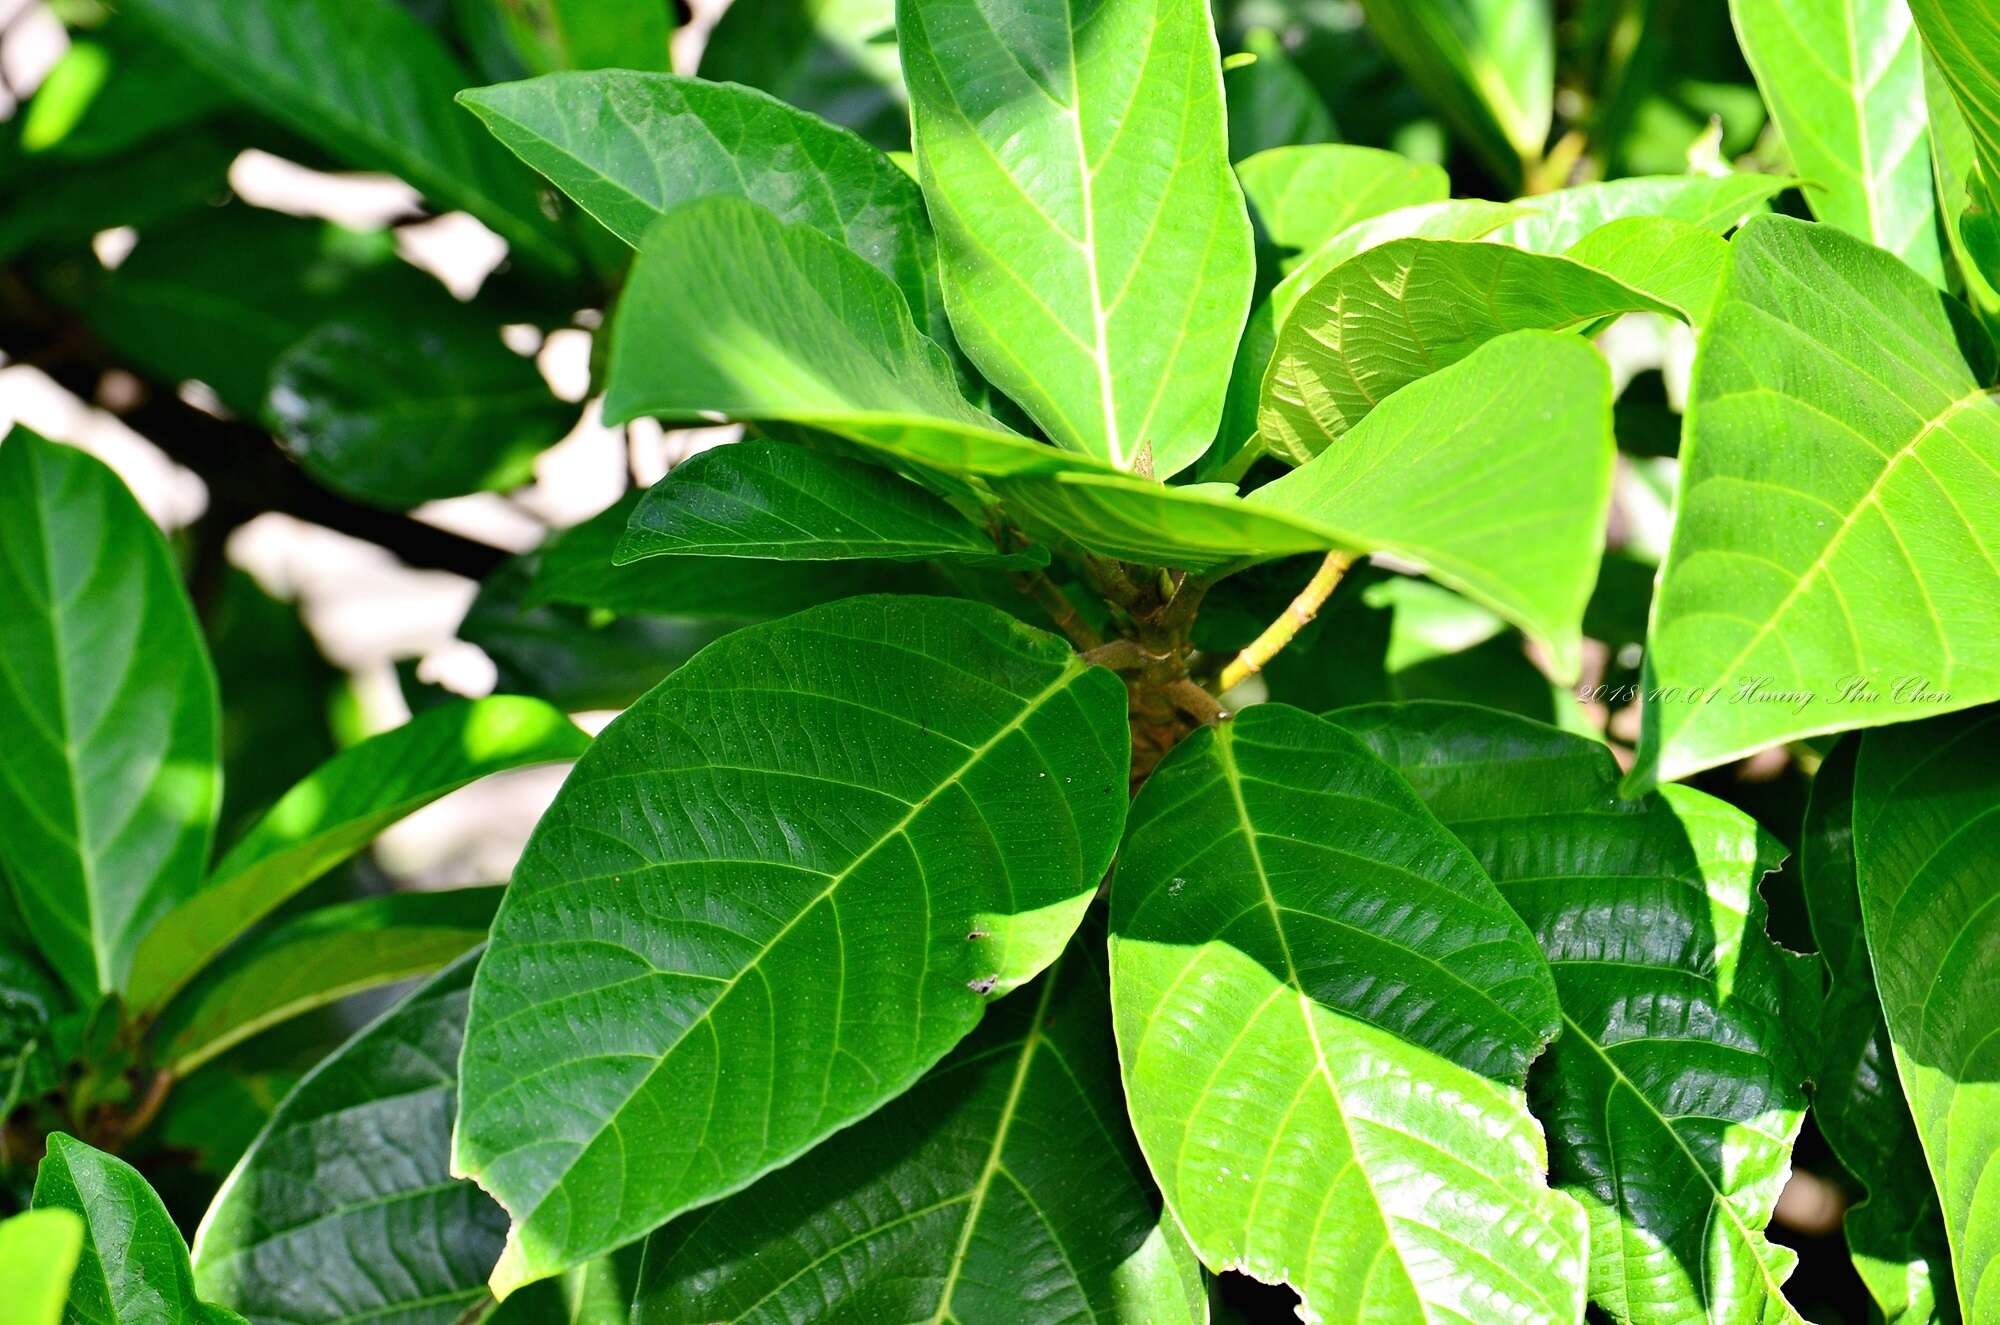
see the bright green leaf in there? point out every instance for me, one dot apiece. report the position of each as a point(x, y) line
point(38, 1254)
point(1896, 1233)
point(1845, 84)
point(1304, 196)
point(316, 959)
point(1960, 190)
point(337, 811)
point(1673, 1095)
point(1963, 36)
point(1096, 250)
point(1711, 202)
point(922, 797)
point(398, 415)
point(630, 147)
point(110, 786)
point(1836, 555)
point(369, 83)
point(592, 34)
point(1489, 65)
point(1325, 1012)
point(777, 500)
point(133, 1267)
point(1926, 834)
point(1004, 1186)
point(1672, 261)
point(343, 1211)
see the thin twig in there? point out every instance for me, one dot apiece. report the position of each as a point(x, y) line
point(1060, 609)
point(1279, 633)
point(1197, 703)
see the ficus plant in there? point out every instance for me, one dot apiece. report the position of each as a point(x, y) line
point(1169, 753)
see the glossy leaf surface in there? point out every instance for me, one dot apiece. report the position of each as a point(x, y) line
point(343, 1210)
point(1845, 83)
point(133, 1267)
point(1004, 1186)
point(1926, 835)
point(1324, 1015)
point(1837, 549)
point(1674, 1092)
point(338, 810)
point(1096, 250)
point(899, 774)
point(110, 786)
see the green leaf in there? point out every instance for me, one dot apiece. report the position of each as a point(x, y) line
point(834, 58)
point(38, 1254)
point(370, 84)
point(1960, 191)
point(1489, 65)
point(1845, 84)
point(1896, 1234)
point(1963, 37)
point(1926, 811)
point(133, 1266)
point(316, 959)
point(112, 91)
point(899, 773)
point(109, 788)
point(732, 311)
point(778, 500)
point(1324, 1014)
point(1673, 1096)
point(1495, 473)
point(1304, 196)
point(397, 415)
point(1097, 254)
point(1711, 202)
point(344, 1211)
point(337, 811)
point(1837, 548)
point(592, 34)
point(1270, 101)
point(630, 147)
point(1671, 261)
point(1004, 1185)
point(1402, 311)
point(61, 204)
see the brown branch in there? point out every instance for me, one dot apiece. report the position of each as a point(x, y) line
point(1060, 609)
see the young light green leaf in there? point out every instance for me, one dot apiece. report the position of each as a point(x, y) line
point(1304, 196)
point(110, 785)
point(316, 959)
point(1718, 203)
point(1004, 1186)
point(1494, 473)
point(133, 1266)
point(1402, 311)
point(1097, 254)
point(1845, 84)
point(1325, 1012)
point(1926, 834)
point(369, 83)
point(1963, 36)
point(338, 810)
point(1489, 65)
point(343, 1212)
point(777, 500)
point(1674, 1092)
point(630, 147)
point(397, 415)
point(1672, 261)
point(1836, 552)
point(923, 796)
point(38, 1254)
point(1896, 1234)
point(834, 58)
point(729, 310)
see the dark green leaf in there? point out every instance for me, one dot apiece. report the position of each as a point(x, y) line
point(1489, 65)
point(369, 83)
point(630, 147)
point(38, 1254)
point(337, 811)
point(316, 959)
point(1004, 1186)
point(899, 774)
point(1097, 255)
point(1837, 550)
point(834, 58)
point(63, 203)
point(1845, 83)
point(109, 788)
point(113, 90)
point(1271, 103)
point(1673, 1094)
point(1896, 1234)
point(1325, 1012)
point(1926, 834)
point(779, 501)
point(592, 34)
point(344, 1210)
point(133, 1268)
